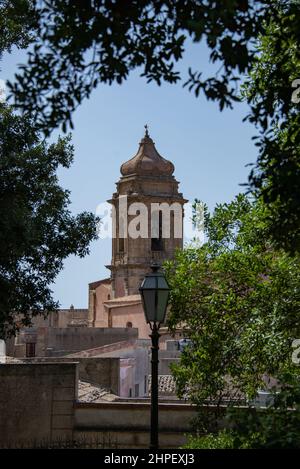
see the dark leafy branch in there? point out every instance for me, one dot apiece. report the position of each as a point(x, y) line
point(78, 45)
point(81, 44)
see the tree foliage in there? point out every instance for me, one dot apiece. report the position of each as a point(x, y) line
point(238, 299)
point(271, 91)
point(79, 45)
point(18, 21)
point(275, 427)
point(37, 229)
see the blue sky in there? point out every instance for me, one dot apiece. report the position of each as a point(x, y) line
point(209, 149)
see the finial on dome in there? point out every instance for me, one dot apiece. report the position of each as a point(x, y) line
point(146, 130)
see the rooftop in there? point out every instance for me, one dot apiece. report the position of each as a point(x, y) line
point(88, 392)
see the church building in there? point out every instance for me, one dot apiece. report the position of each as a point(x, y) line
point(147, 212)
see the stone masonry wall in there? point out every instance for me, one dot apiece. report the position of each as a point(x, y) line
point(37, 402)
point(73, 339)
point(104, 372)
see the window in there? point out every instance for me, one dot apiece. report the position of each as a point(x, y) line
point(30, 350)
point(157, 243)
point(121, 244)
point(129, 324)
point(136, 390)
point(110, 318)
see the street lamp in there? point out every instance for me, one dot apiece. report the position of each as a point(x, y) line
point(155, 294)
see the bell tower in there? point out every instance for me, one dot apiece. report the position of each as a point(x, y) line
point(147, 218)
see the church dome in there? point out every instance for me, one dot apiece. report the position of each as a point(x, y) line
point(147, 161)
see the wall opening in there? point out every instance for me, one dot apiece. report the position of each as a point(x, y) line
point(157, 243)
point(30, 350)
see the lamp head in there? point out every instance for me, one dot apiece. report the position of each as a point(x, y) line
point(155, 294)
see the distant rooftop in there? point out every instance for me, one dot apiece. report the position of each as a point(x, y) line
point(88, 392)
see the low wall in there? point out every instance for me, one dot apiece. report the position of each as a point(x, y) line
point(105, 372)
point(36, 402)
point(39, 402)
point(128, 423)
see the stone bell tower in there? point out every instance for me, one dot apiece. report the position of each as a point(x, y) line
point(147, 218)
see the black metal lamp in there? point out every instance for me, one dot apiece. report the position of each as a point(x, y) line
point(155, 294)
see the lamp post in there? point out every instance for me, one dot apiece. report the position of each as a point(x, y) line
point(155, 294)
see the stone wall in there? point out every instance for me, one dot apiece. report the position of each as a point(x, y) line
point(37, 402)
point(128, 423)
point(124, 376)
point(104, 372)
point(74, 339)
point(56, 341)
point(133, 415)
